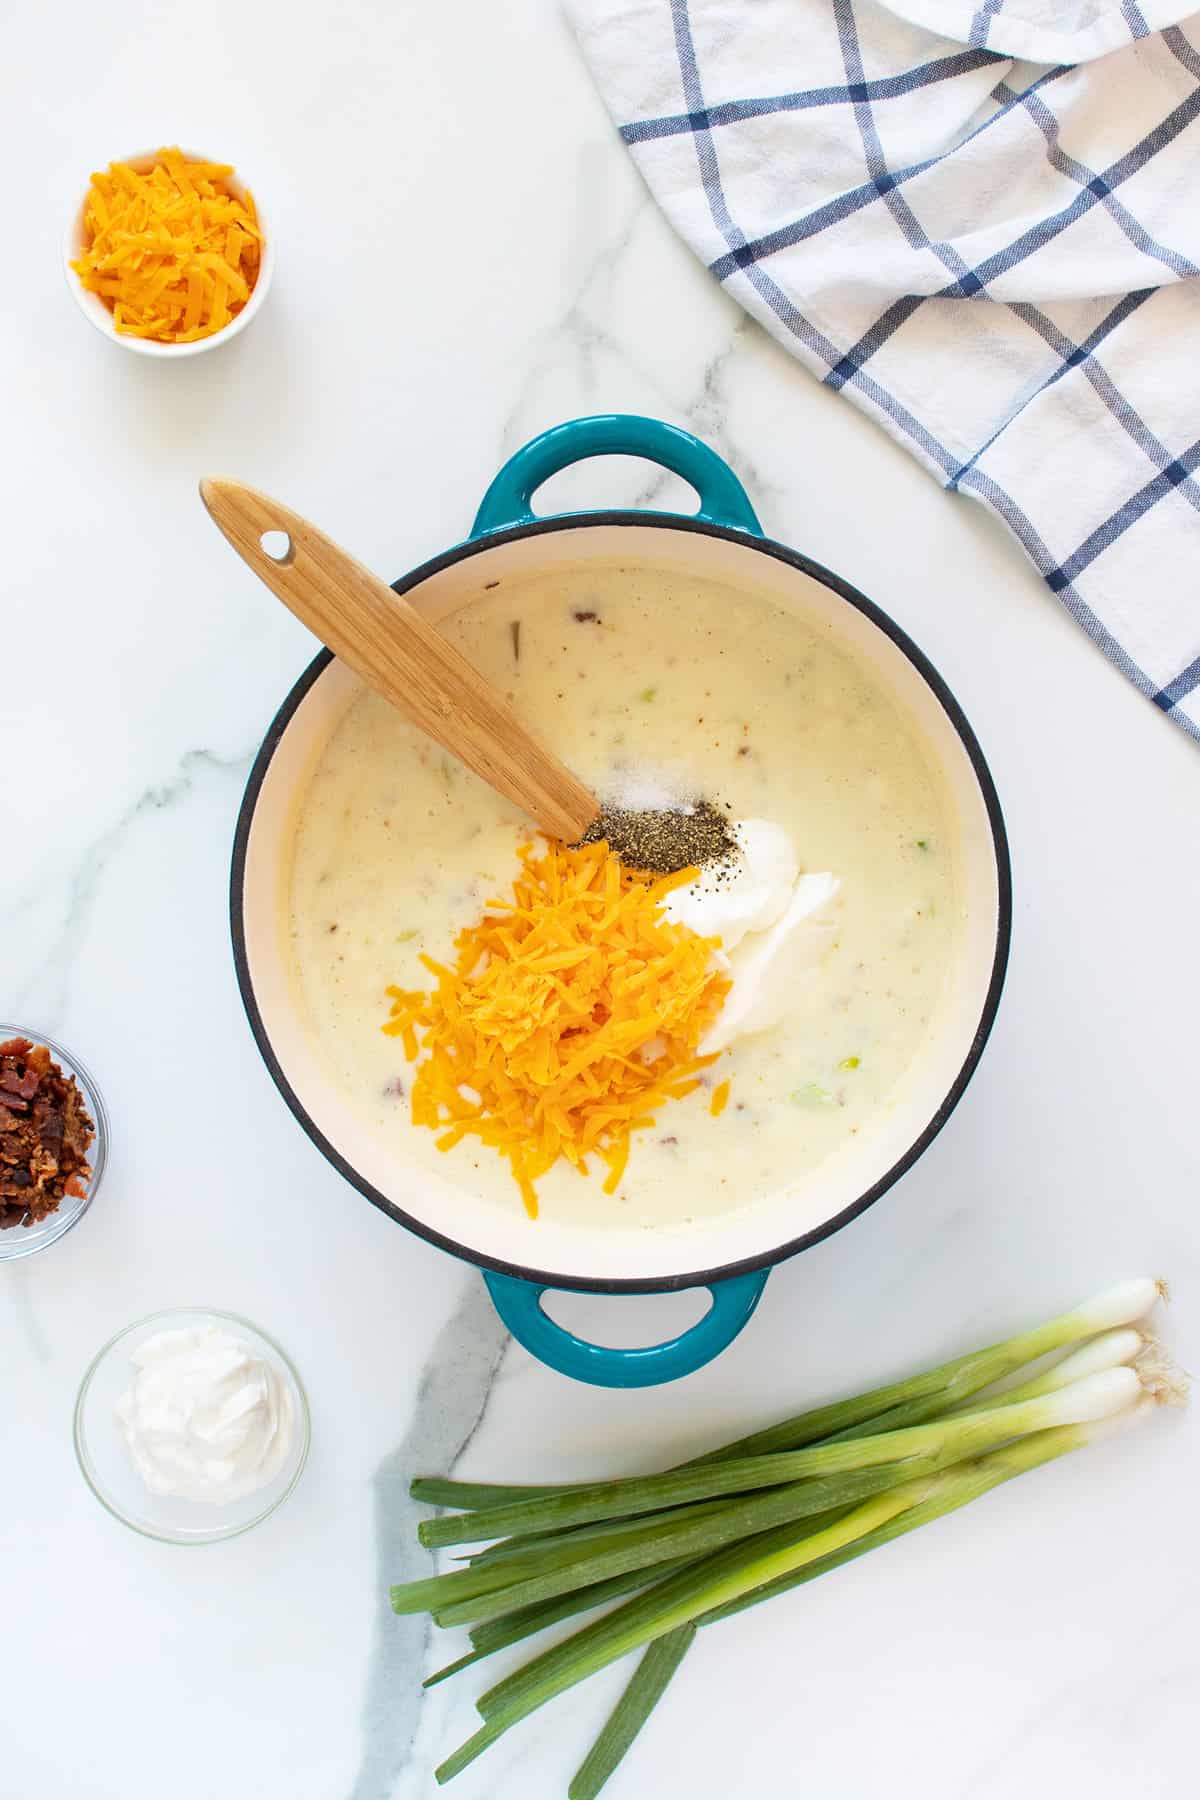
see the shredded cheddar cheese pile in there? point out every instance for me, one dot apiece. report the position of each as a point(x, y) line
point(571, 1013)
point(169, 249)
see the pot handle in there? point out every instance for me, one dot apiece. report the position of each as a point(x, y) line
point(519, 1304)
point(508, 501)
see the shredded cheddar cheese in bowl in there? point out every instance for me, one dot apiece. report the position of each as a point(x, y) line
point(571, 1013)
point(171, 250)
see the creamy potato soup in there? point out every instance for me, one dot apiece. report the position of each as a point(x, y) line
point(716, 692)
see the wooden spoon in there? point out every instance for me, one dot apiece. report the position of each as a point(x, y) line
point(402, 656)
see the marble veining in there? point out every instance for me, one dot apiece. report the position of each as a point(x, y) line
point(448, 1410)
point(56, 907)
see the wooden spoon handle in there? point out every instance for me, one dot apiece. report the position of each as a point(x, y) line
point(402, 656)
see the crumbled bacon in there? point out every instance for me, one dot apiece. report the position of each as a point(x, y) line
point(45, 1134)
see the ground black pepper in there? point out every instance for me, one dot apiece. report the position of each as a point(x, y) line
point(663, 840)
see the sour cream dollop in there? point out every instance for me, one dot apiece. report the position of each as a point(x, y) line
point(747, 893)
point(774, 924)
point(205, 1417)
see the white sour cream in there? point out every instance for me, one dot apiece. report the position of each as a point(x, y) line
point(774, 925)
point(769, 967)
point(727, 900)
point(205, 1418)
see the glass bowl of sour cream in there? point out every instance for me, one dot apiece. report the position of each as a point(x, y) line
point(191, 1426)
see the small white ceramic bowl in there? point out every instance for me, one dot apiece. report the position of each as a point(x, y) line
point(108, 1468)
point(98, 314)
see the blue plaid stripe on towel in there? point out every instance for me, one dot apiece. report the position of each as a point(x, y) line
point(982, 223)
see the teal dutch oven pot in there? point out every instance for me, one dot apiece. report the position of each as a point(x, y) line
point(730, 1255)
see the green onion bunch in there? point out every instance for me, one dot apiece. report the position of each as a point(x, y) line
point(684, 1549)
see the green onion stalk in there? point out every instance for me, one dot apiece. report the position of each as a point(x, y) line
point(937, 1389)
point(728, 1580)
point(675, 1552)
point(940, 1438)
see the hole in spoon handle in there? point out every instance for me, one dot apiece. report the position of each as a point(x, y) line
point(278, 546)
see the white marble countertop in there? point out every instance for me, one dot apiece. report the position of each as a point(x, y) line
point(465, 257)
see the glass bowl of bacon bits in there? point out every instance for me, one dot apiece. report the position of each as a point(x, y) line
point(53, 1141)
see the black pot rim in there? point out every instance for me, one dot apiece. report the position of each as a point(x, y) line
point(747, 1265)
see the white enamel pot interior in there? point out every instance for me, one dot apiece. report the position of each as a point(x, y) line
point(553, 1252)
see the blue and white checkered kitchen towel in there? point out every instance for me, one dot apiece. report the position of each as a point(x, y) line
point(982, 223)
